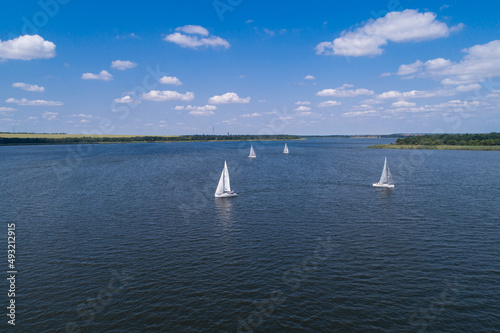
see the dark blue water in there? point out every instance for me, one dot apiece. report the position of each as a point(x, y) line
point(129, 238)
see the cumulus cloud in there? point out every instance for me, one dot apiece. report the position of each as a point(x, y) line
point(479, 63)
point(122, 64)
point(127, 99)
point(251, 115)
point(28, 87)
point(103, 76)
point(6, 109)
point(37, 102)
point(195, 36)
point(360, 113)
point(398, 27)
point(309, 77)
point(170, 80)
point(403, 104)
point(326, 104)
point(167, 95)
point(193, 30)
point(207, 110)
point(302, 108)
point(228, 98)
point(344, 92)
point(83, 115)
point(27, 47)
point(50, 115)
point(302, 103)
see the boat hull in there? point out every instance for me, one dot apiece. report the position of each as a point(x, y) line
point(383, 185)
point(226, 195)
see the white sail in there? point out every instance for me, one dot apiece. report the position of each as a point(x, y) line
point(383, 177)
point(225, 173)
point(224, 187)
point(220, 186)
point(252, 152)
point(285, 151)
point(386, 177)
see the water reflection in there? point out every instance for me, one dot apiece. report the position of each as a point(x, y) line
point(224, 209)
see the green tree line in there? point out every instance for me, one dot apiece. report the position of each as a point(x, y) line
point(118, 139)
point(487, 139)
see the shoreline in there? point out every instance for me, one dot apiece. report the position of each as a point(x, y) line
point(435, 147)
point(70, 139)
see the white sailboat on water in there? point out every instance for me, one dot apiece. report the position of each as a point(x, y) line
point(224, 187)
point(285, 151)
point(385, 178)
point(252, 152)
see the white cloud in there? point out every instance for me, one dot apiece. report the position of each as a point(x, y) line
point(480, 62)
point(328, 103)
point(206, 110)
point(167, 95)
point(83, 115)
point(193, 30)
point(122, 64)
point(302, 103)
point(410, 69)
point(468, 87)
point(50, 115)
point(37, 102)
point(189, 36)
point(403, 104)
point(6, 109)
point(302, 108)
point(228, 98)
point(230, 121)
point(248, 115)
point(344, 92)
point(309, 77)
point(127, 99)
point(27, 47)
point(367, 40)
point(170, 80)
point(28, 87)
point(248, 21)
point(32, 118)
point(103, 76)
point(360, 113)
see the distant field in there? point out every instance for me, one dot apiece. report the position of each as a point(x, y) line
point(57, 139)
point(437, 147)
point(60, 136)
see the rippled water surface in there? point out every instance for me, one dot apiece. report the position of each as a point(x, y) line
point(129, 238)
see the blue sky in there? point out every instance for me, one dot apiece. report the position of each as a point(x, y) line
point(250, 67)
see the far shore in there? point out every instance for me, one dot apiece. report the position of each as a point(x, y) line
point(436, 147)
point(16, 139)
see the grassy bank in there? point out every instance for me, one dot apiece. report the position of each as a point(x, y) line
point(435, 147)
point(53, 139)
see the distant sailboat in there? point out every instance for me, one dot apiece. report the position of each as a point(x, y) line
point(252, 152)
point(224, 187)
point(285, 151)
point(386, 178)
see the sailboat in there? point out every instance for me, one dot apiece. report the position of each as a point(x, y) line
point(285, 151)
point(252, 152)
point(224, 187)
point(386, 178)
